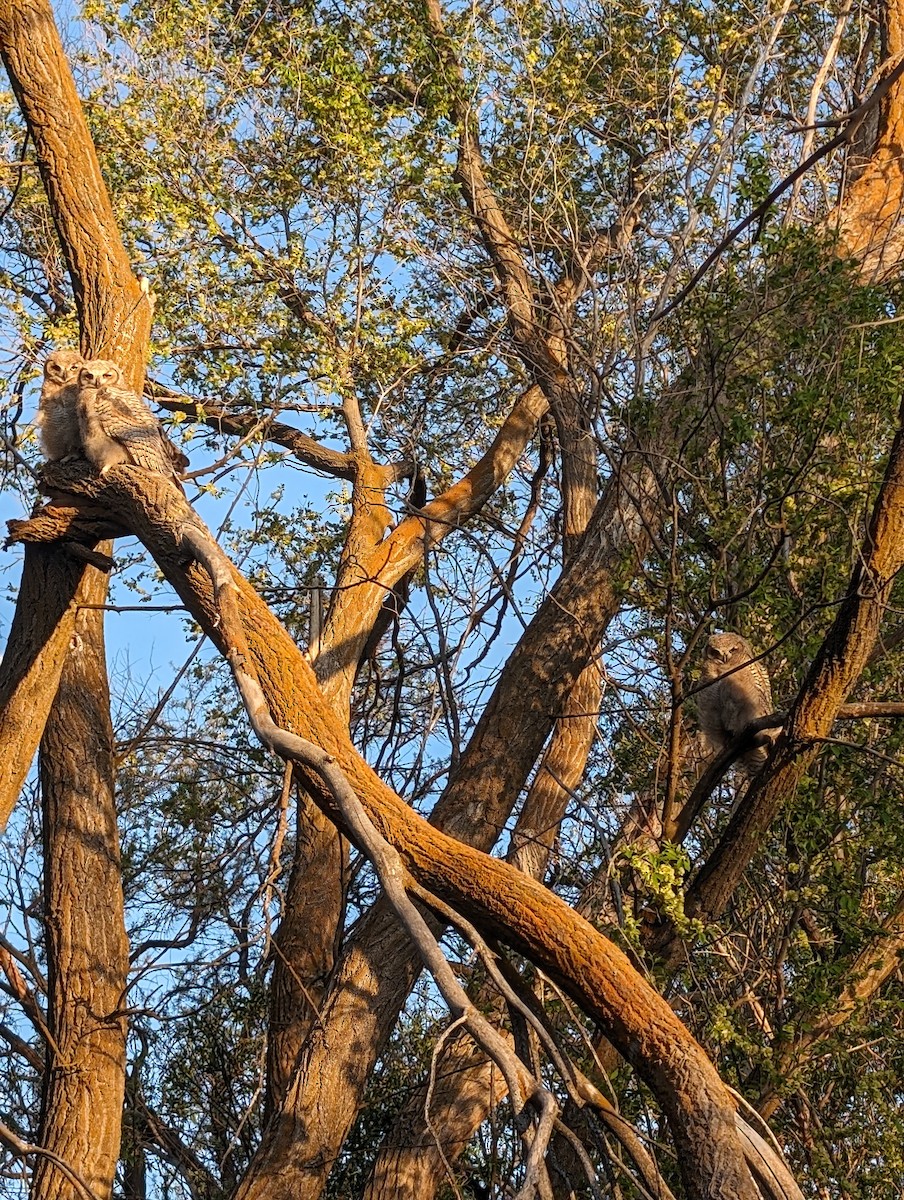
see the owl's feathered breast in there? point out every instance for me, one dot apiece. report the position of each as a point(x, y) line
point(119, 427)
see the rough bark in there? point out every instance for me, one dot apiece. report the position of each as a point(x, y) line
point(305, 942)
point(114, 313)
point(496, 897)
point(868, 218)
point(86, 941)
point(87, 949)
point(378, 967)
point(39, 640)
point(304, 945)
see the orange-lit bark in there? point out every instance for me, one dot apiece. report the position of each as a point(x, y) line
point(86, 943)
point(87, 950)
point(498, 898)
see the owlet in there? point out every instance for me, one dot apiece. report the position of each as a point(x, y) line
point(57, 407)
point(737, 692)
point(118, 427)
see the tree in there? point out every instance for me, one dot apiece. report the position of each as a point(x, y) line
point(463, 263)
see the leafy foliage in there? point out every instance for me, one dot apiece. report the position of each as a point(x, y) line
point(284, 176)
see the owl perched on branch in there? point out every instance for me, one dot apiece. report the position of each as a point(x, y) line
point(58, 406)
point(737, 691)
point(118, 427)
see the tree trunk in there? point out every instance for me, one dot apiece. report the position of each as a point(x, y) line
point(39, 639)
point(114, 313)
point(304, 945)
point(87, 949)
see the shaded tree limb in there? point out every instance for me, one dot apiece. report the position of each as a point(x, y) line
point(169, 1145)
point(869, 971)
point(43, 626)
point(237, 424)
point(835, 671)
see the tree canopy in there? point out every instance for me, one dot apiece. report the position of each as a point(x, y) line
point(516, 350)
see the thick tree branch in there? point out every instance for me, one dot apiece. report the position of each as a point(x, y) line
point(115, 314)
point(355, 609)
point(496, 897)
point(384, 858)
point(43, 625)
point(868, 217)
point(237, 424)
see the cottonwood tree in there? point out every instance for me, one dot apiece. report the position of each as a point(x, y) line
point(589, 315)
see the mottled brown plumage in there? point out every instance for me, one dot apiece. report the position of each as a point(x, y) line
point(57, 417)
point(733, 697)
point(118, 427)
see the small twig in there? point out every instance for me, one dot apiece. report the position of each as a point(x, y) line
point(20, 167)
point(142, 608)
point(877, 708)
point(274, 866)
point(124, 750)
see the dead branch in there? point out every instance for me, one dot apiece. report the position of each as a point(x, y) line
point(523, 1088)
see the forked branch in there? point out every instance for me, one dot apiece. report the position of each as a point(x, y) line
point(498, 899)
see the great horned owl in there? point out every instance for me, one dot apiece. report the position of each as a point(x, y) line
point(57, 407)
point(736, 692)
point(118, 427)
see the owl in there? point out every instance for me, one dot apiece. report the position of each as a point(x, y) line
point(118, 427)
point(57, 407)
point(727, 703)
